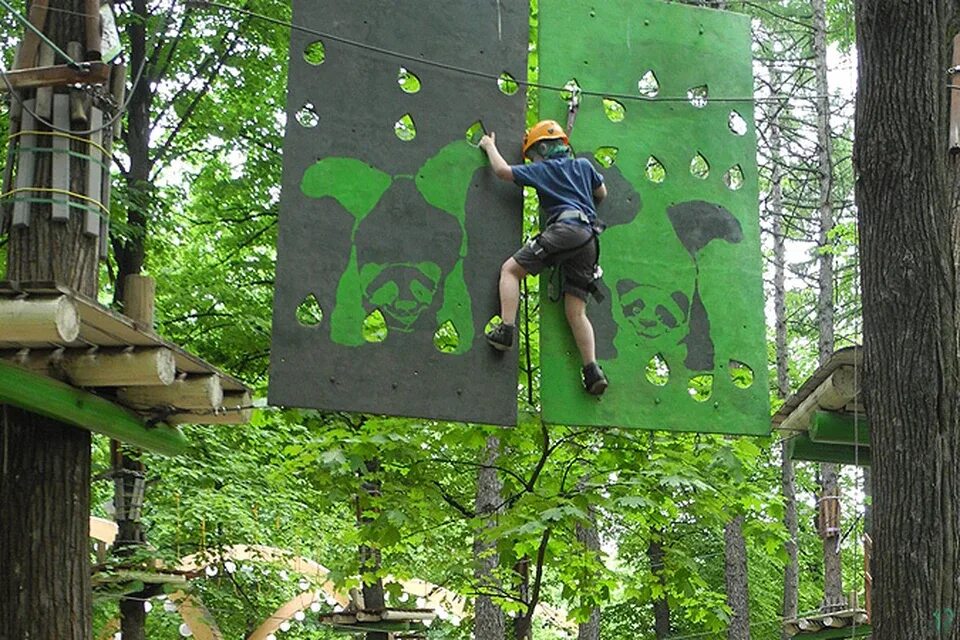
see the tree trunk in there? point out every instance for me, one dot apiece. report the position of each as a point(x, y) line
point(45, 465)
point(832, 577)
point(661, 607)
point(587, 536)
point(523, 623)
point(907, 203)
point(791, 571)
point(370, 560)
point(130, 536)
point(735, 573)
point(488, 617)
point(45, 510)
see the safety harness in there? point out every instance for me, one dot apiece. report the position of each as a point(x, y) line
point(555, 259)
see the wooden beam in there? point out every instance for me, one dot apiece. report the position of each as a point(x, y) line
point(829, 427)
point(195, 392)
point(27, 54)
point(236, 409)
point(82, 409)
point(800, 447)
point(120, 367)
point(834, 393)
point(139, 293)
point(39, 321)
point(836, 634)
point(57, 75)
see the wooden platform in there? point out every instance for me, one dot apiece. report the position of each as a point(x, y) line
point(409, 624)
point(851, 623)
point(825, 421)
point(196, 393)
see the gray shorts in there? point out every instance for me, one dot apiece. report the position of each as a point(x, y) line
point(559, 241)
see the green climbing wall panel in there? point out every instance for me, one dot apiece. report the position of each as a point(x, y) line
point(681, 332)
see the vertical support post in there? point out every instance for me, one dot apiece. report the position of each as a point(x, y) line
point(139, 299)
point(92, 29)
point(60, 211)
point(94, 172)
point(25, 168)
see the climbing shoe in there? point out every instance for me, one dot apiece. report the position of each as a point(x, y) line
point(594, 381)
point(500, 336)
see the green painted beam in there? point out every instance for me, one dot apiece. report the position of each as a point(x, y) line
point(859, 631)
point(829, 427)
point(54, 399)
point(801, 447)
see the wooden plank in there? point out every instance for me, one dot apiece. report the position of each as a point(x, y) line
point(800, 447)
point(62, 402)
point(27, 55)
point(235, 410)
point(833, 393)
point(40, 322)
point(846, 356)
point(25, 168)
point(199, 392)
point(44, 105)
point(56, 76)
point(148, 367)
point(60, 179)
point(835, 634)
point(830, 427)
point(91, 226)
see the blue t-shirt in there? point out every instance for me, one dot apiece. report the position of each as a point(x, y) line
point(562, 184)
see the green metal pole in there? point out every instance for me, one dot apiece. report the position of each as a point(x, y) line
point(57, 400)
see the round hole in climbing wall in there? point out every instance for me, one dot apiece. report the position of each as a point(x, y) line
point(408, 81)
point(699, 167)
point(657, 371)
point(570, 88)
point(446, 338)
point(405, 129)
point(309, 313)
point(740, 374)
point(738, 126)
point(700, 387)
point(507, 84)
point(649, 86)
point(307, 116)
point(655, 171)
point(606, 157)
point(698, 96)
point(615, 111)
point(374, 327)
point(474, 133)
point(733, 178)
point(315, 53)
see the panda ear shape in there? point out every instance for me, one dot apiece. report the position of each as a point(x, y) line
point(682, 301)
point(625, 285)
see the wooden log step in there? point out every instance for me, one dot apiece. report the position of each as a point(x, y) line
point(833, 394)
point(120, 367)
point(44, 362)
point(195, 392)
point(39, 322)
point(236, 409)
point(410, 616)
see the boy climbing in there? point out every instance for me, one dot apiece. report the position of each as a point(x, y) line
point(569, 189)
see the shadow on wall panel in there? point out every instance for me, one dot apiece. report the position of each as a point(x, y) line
point(392, 226)
point(681, 333)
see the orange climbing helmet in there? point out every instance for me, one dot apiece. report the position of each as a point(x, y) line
point(543, 130)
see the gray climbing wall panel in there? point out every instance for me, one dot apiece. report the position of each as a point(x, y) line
point(392, 226)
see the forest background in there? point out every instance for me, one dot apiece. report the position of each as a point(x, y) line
point(628, 532)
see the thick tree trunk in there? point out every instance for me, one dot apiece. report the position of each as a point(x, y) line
point(44, 536)
point(45, 465)
point(488, 617)
point(661, 607)
point(735, 573)
point(906, 199)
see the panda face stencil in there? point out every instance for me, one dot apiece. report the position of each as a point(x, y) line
point(401, 291)
point(652, 312)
